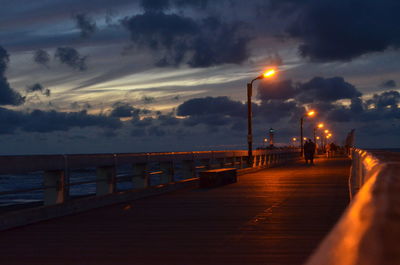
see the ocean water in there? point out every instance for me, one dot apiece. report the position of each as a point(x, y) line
point(35, 180)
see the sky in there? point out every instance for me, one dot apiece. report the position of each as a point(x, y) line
point(101, 76)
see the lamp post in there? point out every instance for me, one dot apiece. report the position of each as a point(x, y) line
point(267, 74)
point(309, 114)
point(319, 126)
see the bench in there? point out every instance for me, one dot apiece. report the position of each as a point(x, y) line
point(217, 177)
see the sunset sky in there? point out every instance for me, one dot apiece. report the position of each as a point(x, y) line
point(170, 75)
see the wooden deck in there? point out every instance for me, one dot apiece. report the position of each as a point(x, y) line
point(274, 216)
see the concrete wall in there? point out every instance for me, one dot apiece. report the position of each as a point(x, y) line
point(368, 233)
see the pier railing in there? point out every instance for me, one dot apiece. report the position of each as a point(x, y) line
point(144, 174)
point(369, 230)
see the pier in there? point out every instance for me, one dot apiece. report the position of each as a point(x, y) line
point(280, 211)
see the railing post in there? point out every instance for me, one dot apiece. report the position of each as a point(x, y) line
point(168, 171)
point(140, 177)
point(221, 162)
point(106, 178)
point(206, 163)
point(189, 168)
point(239, 161)
point(54, 187)
point(263, 160)
point(231, 161)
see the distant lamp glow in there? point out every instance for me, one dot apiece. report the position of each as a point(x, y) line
point(294, 139)
point(321, 125)
point(326, 131)
point(305, 138)
point(311, 113)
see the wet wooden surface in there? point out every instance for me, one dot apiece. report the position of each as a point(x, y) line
point(274, 216)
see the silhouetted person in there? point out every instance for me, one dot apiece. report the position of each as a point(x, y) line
point(333, 148)
point(309, 151)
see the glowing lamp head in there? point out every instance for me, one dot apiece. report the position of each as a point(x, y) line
point(321, 125)
point(269, 73)
point(326, 131)
point(318, 138)
point(305, 138)
point(294, 139)
point(311, 113)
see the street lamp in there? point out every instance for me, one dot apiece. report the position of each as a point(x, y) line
point(294, 139)
point(319, 126)
point(269, 73)
point(311, 113)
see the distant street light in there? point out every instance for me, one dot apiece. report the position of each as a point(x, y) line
point(267, 74)
point(311, 113)
point(319, 126)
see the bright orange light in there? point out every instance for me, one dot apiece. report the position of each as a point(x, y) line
point(326, 131)
point(311, 113)
point(321, 125)
point(305, 138)
point(318, 138)
point(294, 139)
point(269, 73)
point(330, 135)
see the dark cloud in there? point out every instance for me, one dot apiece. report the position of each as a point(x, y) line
point(357, 105)
point(148, 100)
point(126, 110)
point(192, 3)
point(71, 57)
point(85, 25)
point(123, 110)
point(50, 121)
point(179, 39)
point(318, 89)
point(161, 5)
point(389, 84)
point(81, 105)
point(276, 110)
point(138, 132)
point(38, 88)
point(7, 95)
point(344, 29)
point(389, 99)
point(4, 60)
point(326, 90)
point(145, 122)
point(212, 106)
point(207, 119)
point(168, 120)
point(156, 131)
point(340, 114)
point(284, 89)
point(154, 5)
point(211, 111)
point(41, 57)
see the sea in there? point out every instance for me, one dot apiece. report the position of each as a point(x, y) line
point(35, 180)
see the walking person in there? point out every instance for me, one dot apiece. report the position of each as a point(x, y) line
point(309, 151)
